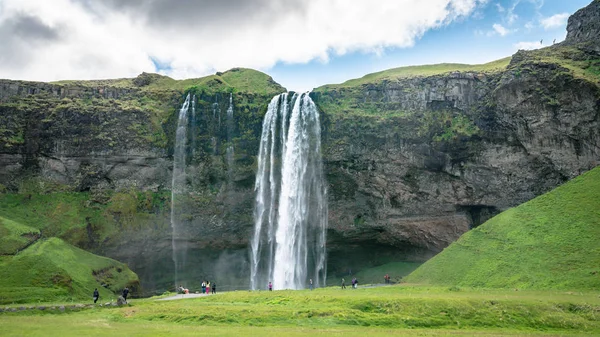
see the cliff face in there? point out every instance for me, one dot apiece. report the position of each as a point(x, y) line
point(584, 25)
point(414, 157)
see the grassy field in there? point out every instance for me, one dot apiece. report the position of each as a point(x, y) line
point(549, 242)
point(397, 310)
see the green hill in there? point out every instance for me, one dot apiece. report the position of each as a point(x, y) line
point(15, 236)
point(552, 241)
point(52, 270)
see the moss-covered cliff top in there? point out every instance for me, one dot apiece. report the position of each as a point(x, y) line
point(233, 80)
point(420, 71)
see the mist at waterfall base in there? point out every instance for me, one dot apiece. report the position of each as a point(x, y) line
point(290, 215)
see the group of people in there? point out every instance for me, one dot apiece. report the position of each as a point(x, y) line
point(206, 287)
point(354, 283)
point(387, 279)
point(96, 294)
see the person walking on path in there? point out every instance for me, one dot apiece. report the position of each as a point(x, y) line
point(125, 293)
point(96, 295)
point(310, 284)
point(214, 288)
point(203, 287)
point(208, 288)
point(343, 283)
point(270, 286)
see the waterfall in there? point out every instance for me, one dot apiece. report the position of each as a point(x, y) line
point(193, 127)
point(290, 214)
point(230, 152)
point(178, 186)
point(213, 140)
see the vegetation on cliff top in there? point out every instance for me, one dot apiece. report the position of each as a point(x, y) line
point(233, 80)
point(550, 242)
point(53, 270)
point(420, 71)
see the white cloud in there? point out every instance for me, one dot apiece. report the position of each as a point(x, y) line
point(528, 45)
point(95, 40)
point(498, 28)
point(555, 21)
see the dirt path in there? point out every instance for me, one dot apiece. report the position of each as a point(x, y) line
point(182, 296)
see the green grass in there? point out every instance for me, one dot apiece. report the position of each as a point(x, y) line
point(421, 71)
point(395, 310)
point(15, 236)
point(53, 270)
point(550, 242)
point(233, 80)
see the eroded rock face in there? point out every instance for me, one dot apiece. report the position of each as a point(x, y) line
point(584, 25)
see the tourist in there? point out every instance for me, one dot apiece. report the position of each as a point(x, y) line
point(96, 295)
point(270, 286)
point(208, 287)
point(343, 283)
point(310, 284)
point(214, 288)
point(203, 287)
point(125, 293)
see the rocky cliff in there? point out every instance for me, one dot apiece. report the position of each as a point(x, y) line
point(414, 156)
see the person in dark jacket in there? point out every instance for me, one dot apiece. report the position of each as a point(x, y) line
point(214, 288)
point(96, 295)
point(125, 293)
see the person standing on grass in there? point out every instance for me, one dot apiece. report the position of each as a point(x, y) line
point(96, 295)
point(208, 287)
point(343, 283)
point(270, 286)
point(203, 287)
point(310, 284)
point(125, 293)
point(214, 288)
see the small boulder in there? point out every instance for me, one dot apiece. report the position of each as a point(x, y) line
point(121, 300)
point(62, 308)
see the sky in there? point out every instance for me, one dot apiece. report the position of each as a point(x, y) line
point(302, 44)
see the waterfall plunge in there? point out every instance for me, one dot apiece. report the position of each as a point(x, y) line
point(178, 184)
point(290, 215)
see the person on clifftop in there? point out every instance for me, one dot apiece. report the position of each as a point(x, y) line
point(96, 295)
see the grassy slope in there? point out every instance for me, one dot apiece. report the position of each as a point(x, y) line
point(376, 311)
point(549, 242)
point(54, 270)
point(420, 71)
point(15, 236)
point(233, 80)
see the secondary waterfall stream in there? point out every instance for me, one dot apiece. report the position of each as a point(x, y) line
point(178, 186)
point(290, 214)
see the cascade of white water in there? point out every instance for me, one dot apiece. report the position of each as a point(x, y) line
point(178, 185)
point(230, 151)
point(193, 126)
point(290, 214)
